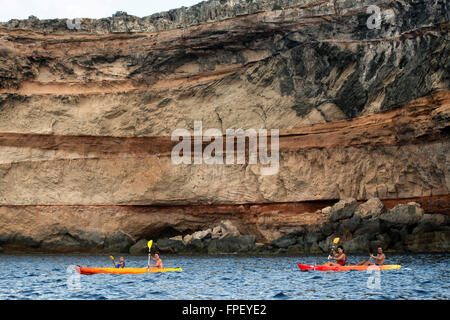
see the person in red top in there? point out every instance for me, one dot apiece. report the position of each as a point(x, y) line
point(339, 256)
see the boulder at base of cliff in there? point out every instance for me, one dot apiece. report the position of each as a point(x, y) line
point(344, 209)
point(370, 228)
point(228, 230)
point(424, 227)
point(328, 228)
point(359, 244)
point(432, 222)
point(199, 235)
point(139, 248)
point(398, 236)
point(66, 241)
point(381, 241)
point(404, 214)
point(187, 239)
point(437, 241)
point(349, 225)
point(284, 242)
point(19, 239)
point(118, 242)
point(437, 220)
point(232, 244)
point(1, 250)
point(169, 245)
point(316, 248)
point(372, 208)
point(197, 246)
point(287, 240)
point(311, 242)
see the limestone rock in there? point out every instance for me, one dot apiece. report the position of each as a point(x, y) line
point(382, 240)
point(232, 244)
point(170, 246)
point(328, 228)
point(61, 241)
point(349, 225)
point(313, 237)
point(315, 248)
point(344, 209)
point(197, 246)
point(408, 214)
point(187, 239)
point(289, 239)
point(424, 227)
point(228, 229)
point(139, 248)
point(118, 242)
point(372, 208)
point(437, 241)
point(199, 235)
point(359, 244)
point(217, 232)
point(369, 228)
point(284, 242)
point(85, 133)
point(435, 219)
point(331, 112)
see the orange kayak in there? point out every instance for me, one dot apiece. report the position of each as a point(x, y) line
point(307, 267)
point(89, 271)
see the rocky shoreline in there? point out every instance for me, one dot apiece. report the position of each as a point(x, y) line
point(405, 228)
point(363, 228)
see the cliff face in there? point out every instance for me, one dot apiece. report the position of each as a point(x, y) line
point(86, 117)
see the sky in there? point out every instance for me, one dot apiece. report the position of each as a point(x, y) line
point(52, 9)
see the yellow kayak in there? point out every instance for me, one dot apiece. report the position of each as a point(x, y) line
point(89, 271)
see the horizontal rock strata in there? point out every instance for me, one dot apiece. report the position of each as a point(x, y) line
point(86, 117)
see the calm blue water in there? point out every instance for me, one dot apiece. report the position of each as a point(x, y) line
point(227, 277)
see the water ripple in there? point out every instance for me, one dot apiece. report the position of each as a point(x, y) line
point(423, 276)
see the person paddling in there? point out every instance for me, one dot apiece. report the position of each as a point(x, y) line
point(120, 264)
point(339, 256)
point(158, 262)
point(379, 259)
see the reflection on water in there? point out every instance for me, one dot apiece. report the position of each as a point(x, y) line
point(226, 277)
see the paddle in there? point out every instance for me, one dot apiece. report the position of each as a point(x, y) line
point(112, 258)
point(149, 245)
point(335, 241)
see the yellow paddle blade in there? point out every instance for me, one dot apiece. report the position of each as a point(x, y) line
point(336, 240)
point(112, 258)
point(149, 244)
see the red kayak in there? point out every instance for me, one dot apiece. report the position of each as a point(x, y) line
point(307, 267)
